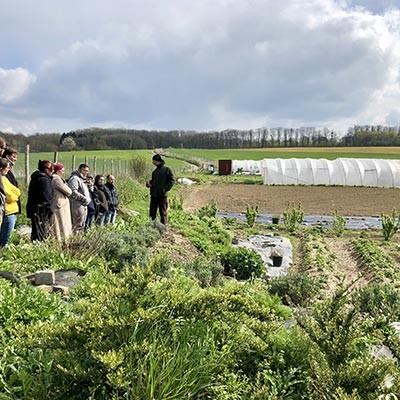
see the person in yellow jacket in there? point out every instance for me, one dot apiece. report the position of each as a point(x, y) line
point(11, 208)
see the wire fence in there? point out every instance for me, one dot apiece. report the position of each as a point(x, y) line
point(97, 165)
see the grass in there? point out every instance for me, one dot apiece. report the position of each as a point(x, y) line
point(104, 157)
point(329, 153)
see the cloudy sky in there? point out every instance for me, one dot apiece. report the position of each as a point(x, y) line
point(198, 64)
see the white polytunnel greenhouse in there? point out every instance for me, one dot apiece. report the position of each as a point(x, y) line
point(253, 167)
point(342, 171)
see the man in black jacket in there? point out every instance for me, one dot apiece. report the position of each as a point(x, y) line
point(161, 183)
point(39, 207)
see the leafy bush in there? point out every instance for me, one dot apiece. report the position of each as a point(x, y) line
point(242, 263)
point(208, 210)
point(139, 168)
point(123, 248)
point(176, 202)
point(342, 360)
point(297, 289)
point(251, 215)
point(26, 304)
point(379, 300)
point(207, 234)
point(293, 216)
point(338, 224)
point(390, 224)
point(208, 272)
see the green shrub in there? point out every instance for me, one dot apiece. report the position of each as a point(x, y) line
point(242, 263)
point(208, 210)
point(390, 224)
point(123, 248)
point(207, 234)
point(297, 289)
point(293, 216)
point(26, 304)
point(338, 224)
point(176, 202)
point(379, 300)
point(251, 215)
point(207, 271)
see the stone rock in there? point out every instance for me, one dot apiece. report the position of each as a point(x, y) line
point(46, 277)
point(68, 278)
point(64, 290)
point(46, 288)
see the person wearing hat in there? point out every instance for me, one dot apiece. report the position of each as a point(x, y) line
point(61, 219)
point(162, 180)
point(40, 205)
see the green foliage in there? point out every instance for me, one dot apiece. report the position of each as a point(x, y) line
point(133, 194)
point(390, 224)
point(208, 210)
point(251, 215)
point(375, 259)
point(242, 263)
point(139, 168)
point(338, 224)
point(207, 234)
point(342, 361)
point(379, 300)
point(176, 202)
point(124, 248)
point(26, 304)
point(293, 216)
point(297, 289)
point(316, 253)
point(207, 271)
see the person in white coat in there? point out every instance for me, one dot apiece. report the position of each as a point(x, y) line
point(61, 220)
point(80, 198)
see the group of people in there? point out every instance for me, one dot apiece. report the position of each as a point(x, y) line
point(61, 208)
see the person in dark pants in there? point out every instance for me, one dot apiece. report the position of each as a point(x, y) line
point(162, 180)
point(39, 207)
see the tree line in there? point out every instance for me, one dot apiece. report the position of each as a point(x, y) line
point(128, 139)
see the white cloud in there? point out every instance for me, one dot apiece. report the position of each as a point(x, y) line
point(14, 83)
point(209, 64)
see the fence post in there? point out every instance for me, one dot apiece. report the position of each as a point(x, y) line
point(73, 162)
point(56, 157)
point(27, 164)
point(104, 167)
point(95, 165)
point(111, 167)
point(86, 160)
point(119, 167)
point(126, 167)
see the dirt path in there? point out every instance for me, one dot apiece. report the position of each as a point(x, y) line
point(315, 200)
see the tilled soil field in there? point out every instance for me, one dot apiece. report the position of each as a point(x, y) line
point(315, 200)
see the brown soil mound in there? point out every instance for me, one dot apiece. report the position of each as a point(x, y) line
point(315, 200)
